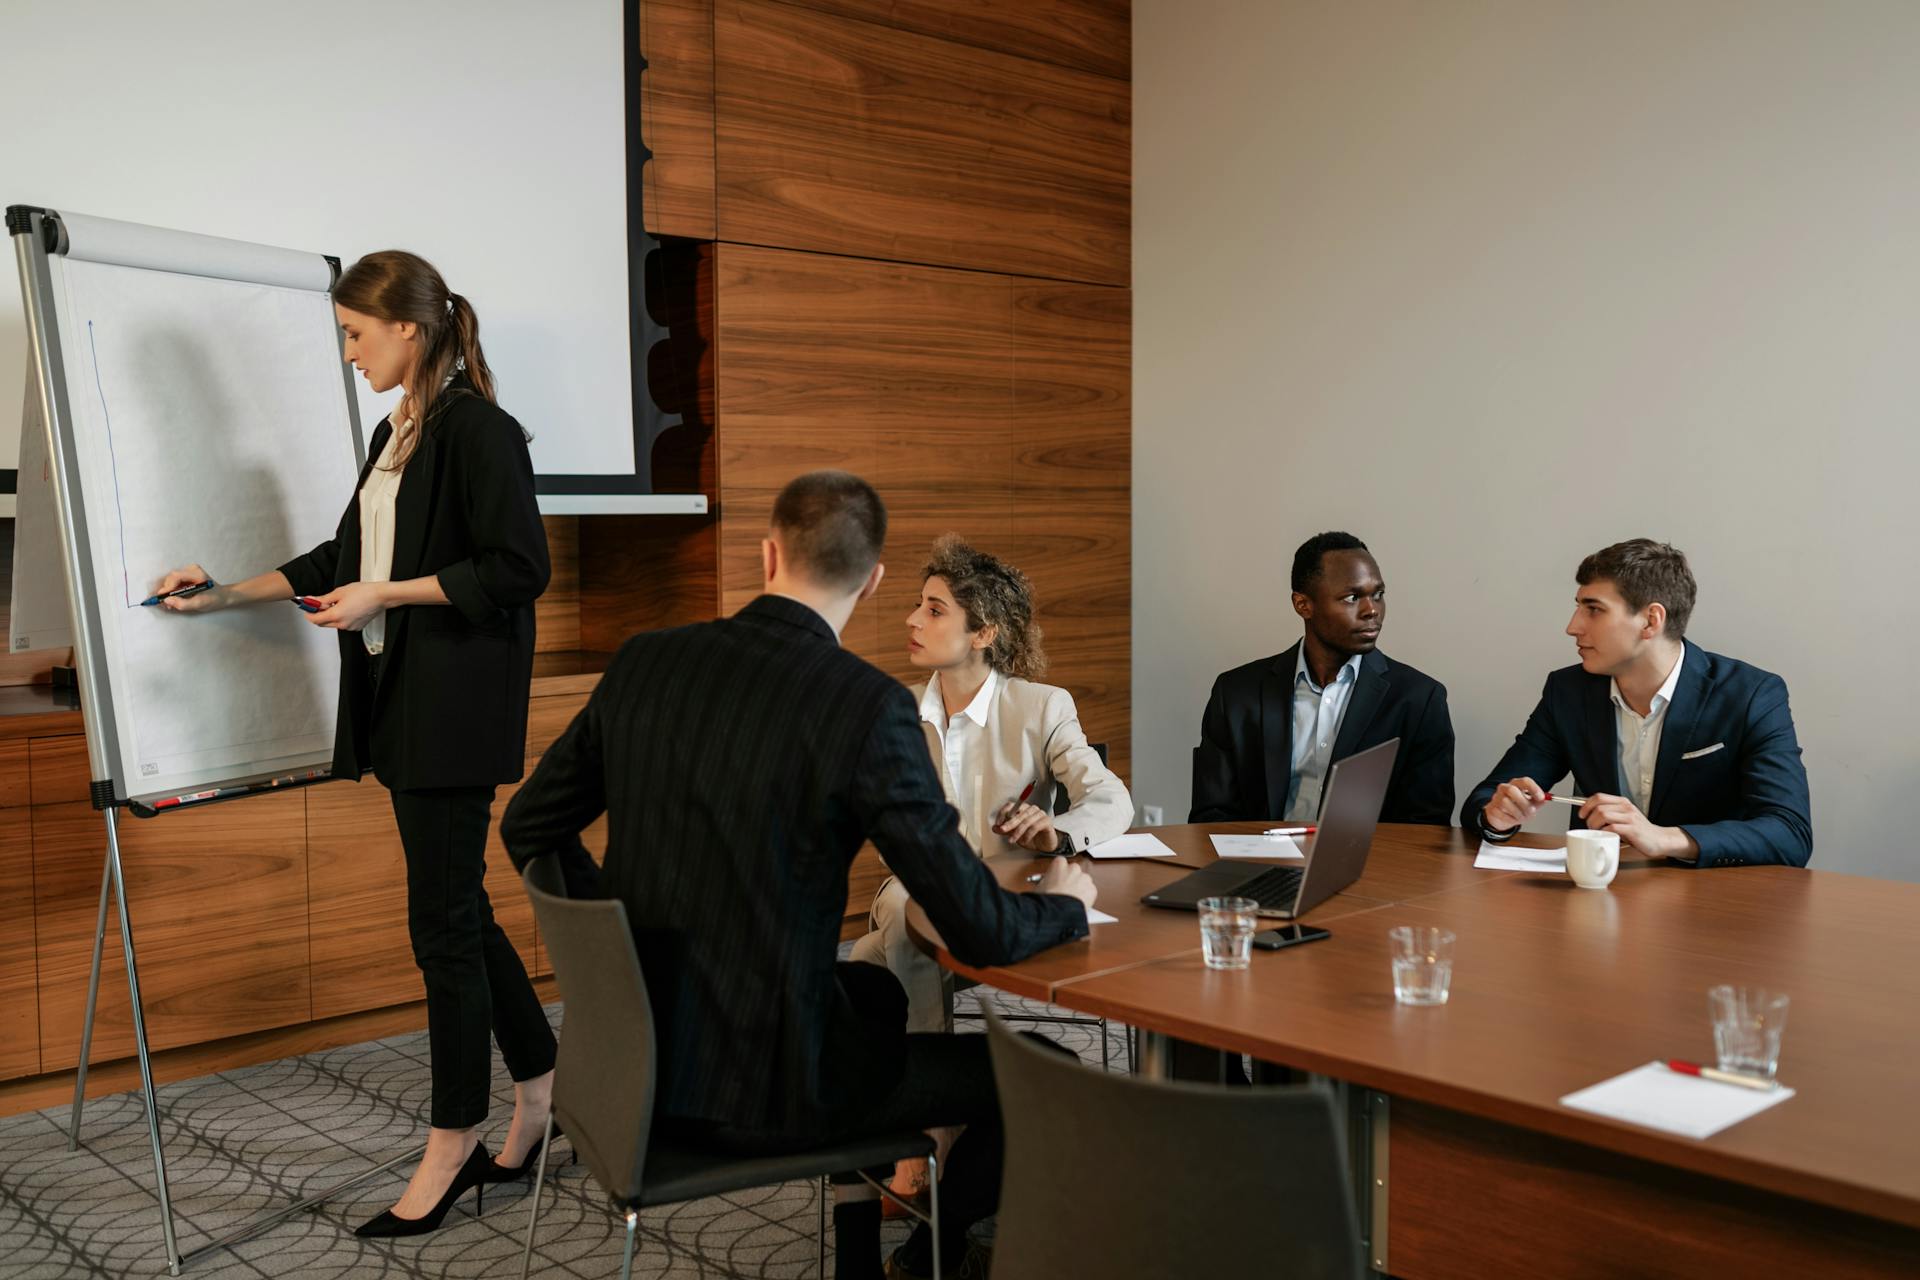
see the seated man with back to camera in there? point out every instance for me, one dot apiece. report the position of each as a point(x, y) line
point(1688, 756)
point(1273, 728)
point(742, 763)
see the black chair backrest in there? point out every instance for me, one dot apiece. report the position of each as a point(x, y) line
point(1111, 1175)
point(603, 1081)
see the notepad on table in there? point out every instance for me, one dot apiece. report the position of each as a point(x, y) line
point(1096, 916)
point(1137, 845)
point(1657, 1097)
point(1496, 857)
point(1257, 847)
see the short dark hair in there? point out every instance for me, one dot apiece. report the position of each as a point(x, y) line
point(1307, 560)
point(832, 525)
point(1644, 571)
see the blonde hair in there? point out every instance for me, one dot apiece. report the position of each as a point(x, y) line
point(993, 594)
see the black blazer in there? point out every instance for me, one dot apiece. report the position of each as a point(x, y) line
point(1729, 769)
point(741, 763)
point(1244, 762)
point(451, 710)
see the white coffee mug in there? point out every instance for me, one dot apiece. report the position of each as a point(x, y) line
point(1593, 858)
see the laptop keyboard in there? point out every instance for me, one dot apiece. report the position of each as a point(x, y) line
point(1275, 889)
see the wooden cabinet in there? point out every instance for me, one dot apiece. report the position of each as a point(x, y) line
point(19, 983)
point(219, 906)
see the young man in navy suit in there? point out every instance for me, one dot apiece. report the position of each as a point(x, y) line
point(1687, 755)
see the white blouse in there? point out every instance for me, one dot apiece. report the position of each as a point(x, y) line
point(376, 529)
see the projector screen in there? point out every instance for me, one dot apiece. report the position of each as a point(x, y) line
point(485, 135)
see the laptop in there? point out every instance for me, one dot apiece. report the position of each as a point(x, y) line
point(1356, 788)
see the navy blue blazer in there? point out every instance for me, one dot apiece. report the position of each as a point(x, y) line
point(1244, 763)
point(1729, 772)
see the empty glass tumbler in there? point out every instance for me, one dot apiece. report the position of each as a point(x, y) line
point(1422, 964)
point(1747, 1024)
point(1226, 931)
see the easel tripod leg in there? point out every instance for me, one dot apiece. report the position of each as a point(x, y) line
point(93, 1001)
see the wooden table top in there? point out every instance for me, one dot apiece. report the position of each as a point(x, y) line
point(1556, 988)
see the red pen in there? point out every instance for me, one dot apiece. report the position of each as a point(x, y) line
point(1714, 1073)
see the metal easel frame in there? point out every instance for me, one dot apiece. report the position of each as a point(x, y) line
point(36, 233)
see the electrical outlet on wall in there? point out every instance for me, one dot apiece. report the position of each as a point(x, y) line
point(1151, 815)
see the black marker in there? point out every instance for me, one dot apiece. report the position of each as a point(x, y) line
point(180, 592)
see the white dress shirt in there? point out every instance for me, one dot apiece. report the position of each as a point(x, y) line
point(376, 528)
point(1317, 713)
point(1637, 737)
point(962, 736)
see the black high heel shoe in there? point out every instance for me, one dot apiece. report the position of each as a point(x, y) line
point(497, 1172)
point(472, 1174)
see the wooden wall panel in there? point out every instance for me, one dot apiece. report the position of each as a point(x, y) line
point(978, 404)
point(16, 786)
point(19, 968)
point(640, 573)
point(676, 38)
point(59, 770)
point(1093, 35)
point(556, 614)
point(847, 137)
point(219, 905)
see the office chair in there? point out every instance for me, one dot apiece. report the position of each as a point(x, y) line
point(1168, 1179)
point(604, 1081)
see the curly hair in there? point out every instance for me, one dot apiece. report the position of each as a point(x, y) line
point(993, 594)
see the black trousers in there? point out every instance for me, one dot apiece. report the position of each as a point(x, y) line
point(476, 985)
point(906, 1082)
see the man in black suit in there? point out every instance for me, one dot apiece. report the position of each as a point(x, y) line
point(1273, 728)
point(742, 763)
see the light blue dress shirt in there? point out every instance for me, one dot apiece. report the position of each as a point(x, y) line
point(1317, 713)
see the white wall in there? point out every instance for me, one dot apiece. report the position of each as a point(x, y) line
point(486, 135)
point(1494, 284)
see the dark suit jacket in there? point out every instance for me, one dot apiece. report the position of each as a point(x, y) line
point(1244, 762)
point(741, 763)
point(1728, 773)
point(451, 709)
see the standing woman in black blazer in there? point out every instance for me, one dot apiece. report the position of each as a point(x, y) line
point(430, 581)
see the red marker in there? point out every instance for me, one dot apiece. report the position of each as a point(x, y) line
point(1724, 1077)
point(309, 604)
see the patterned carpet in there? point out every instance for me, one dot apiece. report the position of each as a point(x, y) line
point(244, 1142)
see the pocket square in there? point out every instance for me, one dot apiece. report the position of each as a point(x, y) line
point(1704, 751)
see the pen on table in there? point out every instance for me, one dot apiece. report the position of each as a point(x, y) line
point(1714, 1073)
point(1035, 879)
point(191, 589)
point(1289, 831)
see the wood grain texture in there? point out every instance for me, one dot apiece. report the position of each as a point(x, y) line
point(1576, 1200)
point(641, 573)
point(1093, 35)
point(847, 137)
point(556, 614)
point(55, 1088)
point(218, 900)
point(1556, 988)
point(676, 38)
point(970, 401)
point(59, 770)
point(19, 964)
point(16, 787)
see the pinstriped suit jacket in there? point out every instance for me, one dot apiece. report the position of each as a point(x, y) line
point(742, 763)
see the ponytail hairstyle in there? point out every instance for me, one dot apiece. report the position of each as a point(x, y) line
point(396, 286)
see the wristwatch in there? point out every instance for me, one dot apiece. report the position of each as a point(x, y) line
point(1064, 844)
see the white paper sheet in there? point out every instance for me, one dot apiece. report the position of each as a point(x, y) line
point(1280, 847)
point(1141, 845)
point(1096, 916)
point(1495, 857)
point(1658, 1098)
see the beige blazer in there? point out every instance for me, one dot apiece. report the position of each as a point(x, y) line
point(1033, 735)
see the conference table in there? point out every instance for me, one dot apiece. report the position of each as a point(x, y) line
point(1465, 1163)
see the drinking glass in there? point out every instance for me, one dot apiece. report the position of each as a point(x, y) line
point(1747, 1025)
point(1422, 964)
point(1226, 931)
